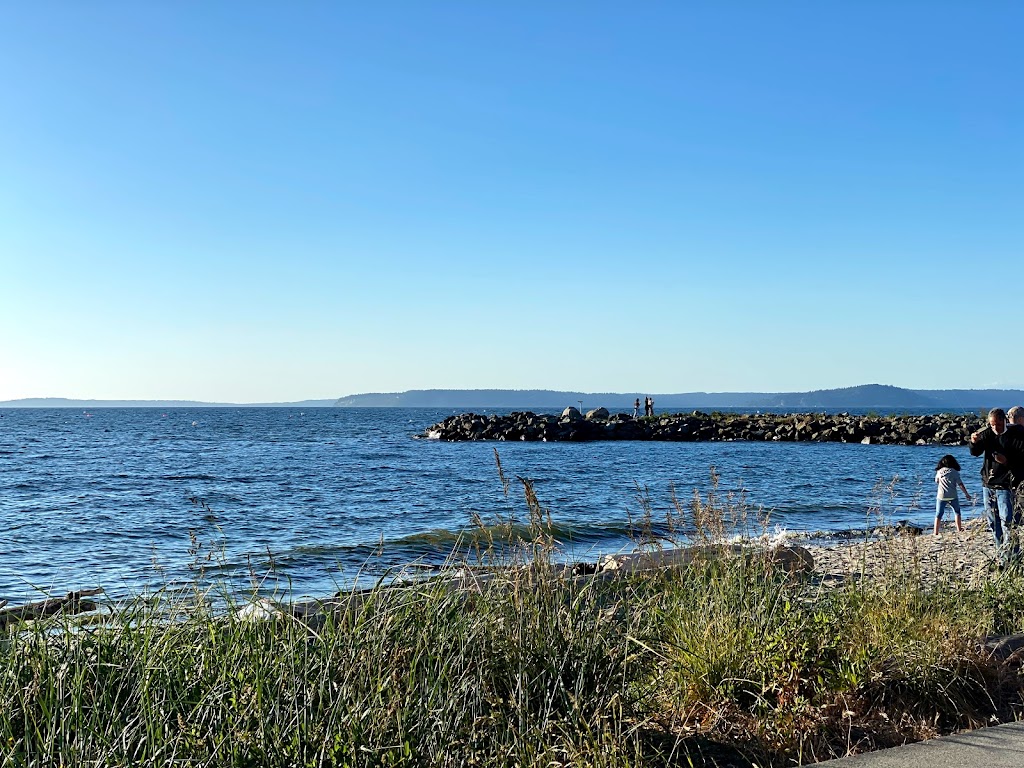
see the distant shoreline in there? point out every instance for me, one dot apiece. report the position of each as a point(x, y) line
point(865, 397)
point(880, 397)
point(60, 402)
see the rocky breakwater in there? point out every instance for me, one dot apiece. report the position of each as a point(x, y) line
point(599, 424)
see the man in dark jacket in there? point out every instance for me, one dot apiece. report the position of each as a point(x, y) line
point(1012, 444)
point(995, 478)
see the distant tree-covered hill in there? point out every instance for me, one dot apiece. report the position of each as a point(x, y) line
point(867, 396)
point(880, 396)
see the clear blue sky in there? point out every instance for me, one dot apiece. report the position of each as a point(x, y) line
point(277, 201)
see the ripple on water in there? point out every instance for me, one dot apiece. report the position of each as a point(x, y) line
point(87, 506)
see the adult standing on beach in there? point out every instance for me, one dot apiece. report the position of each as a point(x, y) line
point(995, 478)
point(1012, 443)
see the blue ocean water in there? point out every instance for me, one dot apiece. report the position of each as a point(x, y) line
point(308, 501)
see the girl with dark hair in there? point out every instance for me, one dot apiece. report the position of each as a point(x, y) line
point(947, 477)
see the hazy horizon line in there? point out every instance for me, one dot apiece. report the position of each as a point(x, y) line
point(170, 402)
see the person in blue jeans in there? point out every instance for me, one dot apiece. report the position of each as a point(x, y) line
point(947, 477)
point(996, 481)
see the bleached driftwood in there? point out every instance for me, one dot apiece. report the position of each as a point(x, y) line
point(71, 603)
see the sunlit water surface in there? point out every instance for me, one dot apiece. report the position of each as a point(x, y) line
point(310, 500)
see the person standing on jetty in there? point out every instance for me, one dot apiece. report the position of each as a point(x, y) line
point(995, 478)
point(636, 408)
point(947, 476)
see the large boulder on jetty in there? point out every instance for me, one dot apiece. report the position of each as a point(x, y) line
point(571, 414)
point(597, 413)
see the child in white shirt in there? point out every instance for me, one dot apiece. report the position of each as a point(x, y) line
point(947, 476)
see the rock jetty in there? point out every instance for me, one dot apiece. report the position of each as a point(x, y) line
point(598, 424)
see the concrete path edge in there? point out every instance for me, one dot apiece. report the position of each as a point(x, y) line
point(998, 746)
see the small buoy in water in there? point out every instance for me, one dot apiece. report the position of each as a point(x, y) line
point(195, 423)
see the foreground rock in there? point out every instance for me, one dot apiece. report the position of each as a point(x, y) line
point(598, 424)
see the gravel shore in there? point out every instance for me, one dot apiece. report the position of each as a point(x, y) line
point(969, 555)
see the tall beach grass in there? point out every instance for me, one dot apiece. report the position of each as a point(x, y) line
point(727, 660)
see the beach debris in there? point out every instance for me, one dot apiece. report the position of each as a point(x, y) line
point(260, 609)
point(899, 528)
point(71, 603)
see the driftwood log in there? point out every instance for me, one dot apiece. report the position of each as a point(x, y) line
point(71, 603)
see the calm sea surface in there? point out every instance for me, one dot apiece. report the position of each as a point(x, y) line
point(310, 500)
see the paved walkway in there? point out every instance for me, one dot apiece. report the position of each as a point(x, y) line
point(1001, 746)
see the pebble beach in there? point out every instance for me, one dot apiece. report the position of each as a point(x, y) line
point(969, 555)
